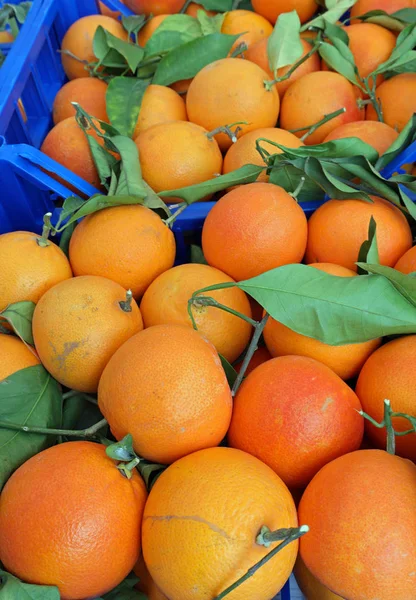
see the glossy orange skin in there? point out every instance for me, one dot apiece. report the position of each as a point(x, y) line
point(77, 327)
point(264, 227)
point(323, 93)
point(311, 587)
point(154, 7)
point(271, 9)
point(69, 518)
point(177, 154)
point(29, 270)
point(397, 97)
point(360, 509)
point(193, 9)
point(258, 54)
point(166, 387)
point(307, 414)
point(339, 227)
point(104, 10)
point(229, 91)
point(397, 383)
point(79, 38)
point(148, 30)
point(346, 361)
point(146, 583)
point(166, 301)
point(361, 7)
point(15, 355)
point(160, 104)
point(199, 505)
point(260, 356)
point(407, 263)
point(90, 95)
point(119, 235)
point(378, 135)
point(251, 26)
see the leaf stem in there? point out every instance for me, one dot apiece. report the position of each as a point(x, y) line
point(270, 84)
point(388, 424)
point(43, 241)
point(185, 6)
point(312, 128)
point(200, 301)
point(90, 432)
point(227, 130)
point(170, 220)
point(249, 354)
point(125, 305)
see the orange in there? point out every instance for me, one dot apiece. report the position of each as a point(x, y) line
point(182, 86)
point(271, 9)
point(104, 10)
point(6, 37)
point(296, 415)
point(177, 154)
point(258, 54)
point(166, 387)
point(68, 145)
point(361, 509)
point(193, 9)
point(260, 356)
point(263, 228)
point(378, 135)
point(72, 502)
point(148, 30)
point(154, 7)
point(159, 105)
point(323, 93)
point(251, 26)
point(396, 383)
point(228, 91)
point(397, 99)
point(109, 242)
point(204, 514)
point(79, 39)
point(77, 327)
point(361, 7)
point(407, 263)
point(28, 269)
point(146, 583)
point(311, 587)
point(166, 301)
point(244, 151)
point(15, 355)
point(346, 361)
point(90, 95)
point(339, 227)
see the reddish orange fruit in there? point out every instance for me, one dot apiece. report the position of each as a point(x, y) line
point(148, 30)
point(6, 37)
point(73, 502)
point(160, 104)
point(397, 99)
point(311, 587)
point(407, 263)
point(90, 95)
point(378, 135)
point(361, 509)
point(251, 26)
point(193, 9)
point(104, 10)
point(271, 9)
point(260, 356)
point(361, 7)
point(146, 583)
point(15, 355)
point(154, 7)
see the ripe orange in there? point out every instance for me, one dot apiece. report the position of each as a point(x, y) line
point(154, 7)
point(146, 583)
point(263, 226)
point(361, 7)
point(271, 9)
point(104, 10)
point(211, 506)
point(396, 383)
point(182, 86)
point(407, 263)
point(72, 502)
point(148, 30)
point(361, 509)
point(177, 154)
point(159, 105)
point(6, 37)
point(77, 327)
point(311, 587)
point(339, 227)
point(228, 91)
point(244, 151)
point(323, 93)
point(90, 95)
point(166, 387)
point(108, 243)
point(397, 99)
point(251, 26)
point(346, 361)
point(166, 301)
point(15, 355)
point(193, 9)
point(27, 269)
point(296, 415)
point(258, 54)
point(260, 356)
point(376, 134)
point(78, 40)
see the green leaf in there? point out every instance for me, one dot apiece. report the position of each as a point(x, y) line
point(289, 177)
point(405, 138)
point(334, 310)
point(12, 588)
point(103, 160)
point(73, 409)
point(123, 450)
point(133, 23)
point(369, 249)
point(28, 397)
point(125, 591)
point(332, 15)
point(19, 315)
point(66, 238)
point(405, 42)
point(186, 61)
point(407, 15)
point(343, 148)
point(150, 472)
point(380, 17)
point(197, 255)
point(285, 46)
point(130, 166)
point(229, 370)
point(70, 205)
point(2, 58)
point(9, 12)
point(124, 98)
point(193, 193)
point(218, 5)
point(409, 204)
point(405, 284)
point(210, 24)
point(333, 58)
point(106, 42)
point(174, 31)
point(336, 34)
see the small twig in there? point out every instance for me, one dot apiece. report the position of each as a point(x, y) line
point(388, 425)
point(270, 84)
point(250, 351)
point(90, 432)
point(312, 128)
point(170, 220)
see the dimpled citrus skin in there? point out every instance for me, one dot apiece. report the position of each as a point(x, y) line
point(159, 105)
point(271, 9)
point(79, 39)
point(88, 93)
point(27, 269)
point(311, 587)
point(251, 27)
point(166, 301)
point(397, 100)
point(360, 509)
point(77, 327)
point(211, 505)
point(166, 387)
point(69, 518)
point(154, 7)
point(14, 356)
point(231, 90)
point(376, 134)
point(407, 262)
point(390, 6)
point(128, 244)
